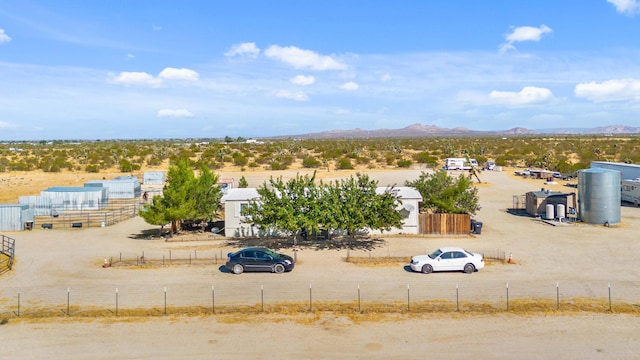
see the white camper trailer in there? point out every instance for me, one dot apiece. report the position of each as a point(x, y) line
point(459, 164)
point(631, 191)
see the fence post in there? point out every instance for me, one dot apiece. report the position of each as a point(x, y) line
point(116, 301)
point(609, 296)
point(558, 296)
point(457, 299)
point(68, 300)
point(310, 299)
point(359, 307)
point(262, 297)
point(165, 300)
point(507, 296)
point(408, 299)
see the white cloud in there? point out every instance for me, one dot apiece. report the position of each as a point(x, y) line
point(303, 80)
point(179, 74)
point(292, 95)
point(351, 86)
point(385, 77)
point(610, 90)
point(179, 113)
point(303, 59)
point(137, 79)
point(244, 49)
point(524, 33)
point(4, 37)
point(527, 96)
point(156, 27)
point(627, 7)
point(130, 56)
point(6, 125)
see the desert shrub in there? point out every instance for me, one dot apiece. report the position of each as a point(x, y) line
point(311, 162)
point(344, 164)
point(404, 163)
point(92, 168)
point(239, 159)
point(278, 166)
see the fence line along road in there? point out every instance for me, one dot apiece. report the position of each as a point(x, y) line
point(158, 299)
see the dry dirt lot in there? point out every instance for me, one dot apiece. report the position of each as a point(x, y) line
point(572, 261)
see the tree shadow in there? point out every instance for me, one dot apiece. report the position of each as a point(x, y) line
point(150, 234)
point(334, 243)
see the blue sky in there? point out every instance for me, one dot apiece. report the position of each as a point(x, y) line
point(176, 69)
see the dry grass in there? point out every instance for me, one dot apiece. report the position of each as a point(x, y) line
point(378, 261)
point(353, 312)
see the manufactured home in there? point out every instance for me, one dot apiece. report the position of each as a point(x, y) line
point(237, 225)
point(630, 191)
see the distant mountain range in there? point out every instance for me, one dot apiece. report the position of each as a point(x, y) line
point(421, 130)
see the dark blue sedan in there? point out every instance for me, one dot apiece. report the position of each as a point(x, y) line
point(258, 259)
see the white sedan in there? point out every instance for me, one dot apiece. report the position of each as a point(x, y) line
point(448, 259)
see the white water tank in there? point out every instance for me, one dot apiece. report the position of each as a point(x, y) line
point(550, 212)
point(561, 211)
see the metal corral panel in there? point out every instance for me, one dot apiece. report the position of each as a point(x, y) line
point(14, 216)
point(599, 196)
point(627, 171)
point(78, 198)
point(154, 177)
point(122, 187)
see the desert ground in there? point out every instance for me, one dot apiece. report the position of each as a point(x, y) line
point(555, 264)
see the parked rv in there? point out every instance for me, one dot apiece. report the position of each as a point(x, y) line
point(631, 191)
point(490, 165)
point(459, 164)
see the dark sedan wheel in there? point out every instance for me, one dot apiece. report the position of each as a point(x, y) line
point(427, 269)
point(469, 268)
point(278, 269)
point(237, 269)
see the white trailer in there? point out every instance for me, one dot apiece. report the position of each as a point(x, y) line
point(631, 191)
point(459, 163)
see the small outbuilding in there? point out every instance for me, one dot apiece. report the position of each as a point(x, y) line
point(551, 205)
point(121, 187)
point(154, 177)
point(16, 217)
point(65, 198)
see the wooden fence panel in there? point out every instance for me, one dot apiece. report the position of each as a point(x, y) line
point(444, 224)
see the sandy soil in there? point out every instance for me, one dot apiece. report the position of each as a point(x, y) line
point(583, 261)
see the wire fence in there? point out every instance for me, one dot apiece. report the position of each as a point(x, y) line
point(7, 253)
point(89, 218)
point(349, 297)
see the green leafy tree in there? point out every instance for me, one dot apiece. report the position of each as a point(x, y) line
point(289, 206)
point(353, 204)
point(243, 183)
point(185, 196)
point(442, 193)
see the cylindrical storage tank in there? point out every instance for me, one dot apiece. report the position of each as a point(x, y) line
point(599, 196)
point(550, 213)
point(561, 211)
